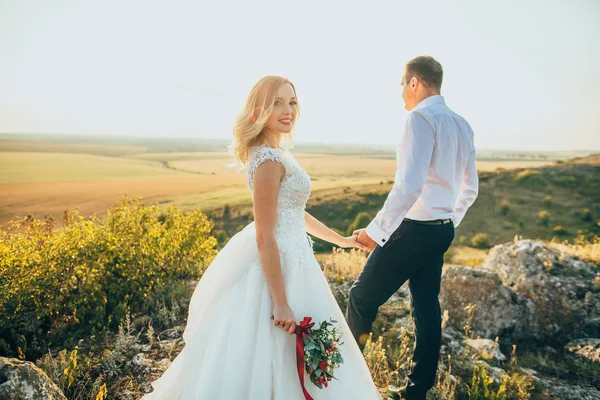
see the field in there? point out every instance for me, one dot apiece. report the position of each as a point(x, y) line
point(40, 175)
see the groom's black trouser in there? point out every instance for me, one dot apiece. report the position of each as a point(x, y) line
point(414, 252)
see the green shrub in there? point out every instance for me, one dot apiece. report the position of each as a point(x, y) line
point(221, 236)
point(548, 201)
point(504, 207)
point(559, 230)
point(226, 212)
point(86, 274)
point(544, 217)
point(481, 241)
point(531, 179)
point(570, 182)
point(361, 221)
point(586, 215)
point(514, 386)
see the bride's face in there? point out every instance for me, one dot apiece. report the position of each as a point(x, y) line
point(285, 109)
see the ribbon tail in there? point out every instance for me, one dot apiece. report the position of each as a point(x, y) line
point(300, 362)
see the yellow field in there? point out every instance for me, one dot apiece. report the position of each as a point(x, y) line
point(39, 183)
point(22, 167)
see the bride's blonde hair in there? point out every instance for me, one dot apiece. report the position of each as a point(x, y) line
point(249, 125)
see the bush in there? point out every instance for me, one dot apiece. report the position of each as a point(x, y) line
point(87, 274)
point(351, 209)
point(531, 179)
point(570, 182)
point(559, 230)
point(504, 207)
point(544, 217)
point(226, 212)
point(221, 237)
point(361, 221)
point(548, 201)
point(586, 215)
point(481, 241)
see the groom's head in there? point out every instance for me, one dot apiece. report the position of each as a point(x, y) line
point(422, 78)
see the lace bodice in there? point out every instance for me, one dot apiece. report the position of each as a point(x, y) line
point(294, 192)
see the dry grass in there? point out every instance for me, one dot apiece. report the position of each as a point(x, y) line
point(585, 249)
point(40, 183)
point(113, 150)
point(98, 196)
point(344, 265)
point(16, 168)
point(465, 255)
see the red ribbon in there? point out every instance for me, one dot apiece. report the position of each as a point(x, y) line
point(302, 329)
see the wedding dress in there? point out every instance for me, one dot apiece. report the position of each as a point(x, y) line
point(232, 349)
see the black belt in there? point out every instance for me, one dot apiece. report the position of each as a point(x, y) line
point(431, 222)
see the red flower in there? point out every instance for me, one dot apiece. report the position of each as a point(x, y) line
point(323, 365)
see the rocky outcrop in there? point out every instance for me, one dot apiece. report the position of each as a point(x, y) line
point(560, 286)
point(498, 310)
point(22, 380)
point(525, 291)
point(486, 349)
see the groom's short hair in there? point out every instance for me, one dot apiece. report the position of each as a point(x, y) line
point(427, 69)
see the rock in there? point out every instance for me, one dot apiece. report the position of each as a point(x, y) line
point(22, 380)
point(559, 286)
point(486, 348)
point(498, 310)
point(452, 342)
point(557, 389)
point(172, 333)
point(588, 349)
point(340, 292)
point(496, 373)
point(140, 364)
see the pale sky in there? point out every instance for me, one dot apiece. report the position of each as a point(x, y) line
point(525, 74)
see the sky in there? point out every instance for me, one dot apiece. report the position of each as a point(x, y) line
point(524, 74)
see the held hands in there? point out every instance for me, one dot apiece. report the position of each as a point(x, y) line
point(284, 318)
point(364, 239)
point(351, 241)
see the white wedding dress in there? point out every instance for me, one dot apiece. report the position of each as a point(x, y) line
point(232, 350)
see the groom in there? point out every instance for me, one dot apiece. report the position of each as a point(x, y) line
point(436, 182)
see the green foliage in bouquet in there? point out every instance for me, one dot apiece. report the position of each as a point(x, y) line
point(88, 273)
point(322, 353)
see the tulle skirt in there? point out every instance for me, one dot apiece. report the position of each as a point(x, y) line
point(233, 351)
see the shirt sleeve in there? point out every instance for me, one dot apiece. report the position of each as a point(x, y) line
point(468, 190)
point(413, 159)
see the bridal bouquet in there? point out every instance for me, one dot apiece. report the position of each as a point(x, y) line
point(317, 352)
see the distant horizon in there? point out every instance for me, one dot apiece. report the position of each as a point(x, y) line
point(185, 68)
point(296, 142)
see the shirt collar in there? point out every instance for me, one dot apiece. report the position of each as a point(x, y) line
point(435, 99)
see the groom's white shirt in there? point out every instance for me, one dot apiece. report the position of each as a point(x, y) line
point(436, 176)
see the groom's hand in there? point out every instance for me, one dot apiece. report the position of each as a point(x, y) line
point(365, 239)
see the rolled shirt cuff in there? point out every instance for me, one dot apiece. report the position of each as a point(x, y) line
point(380, 236)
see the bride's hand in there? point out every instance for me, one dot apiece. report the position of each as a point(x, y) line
point(284, 318)
point(351, 242)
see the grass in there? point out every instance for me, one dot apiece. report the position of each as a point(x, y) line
point(346, 181)
point(23, 167)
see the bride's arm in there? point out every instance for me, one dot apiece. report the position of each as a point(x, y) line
point(316, 228)
point(266, 190)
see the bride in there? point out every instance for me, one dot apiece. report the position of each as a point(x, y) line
point(234, 350)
